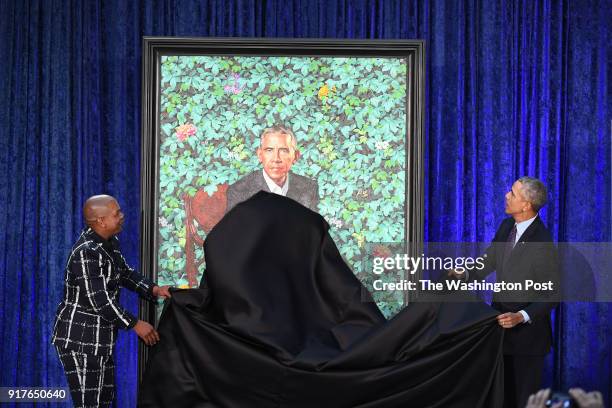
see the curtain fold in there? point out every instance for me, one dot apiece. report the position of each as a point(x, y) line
point(513, 88)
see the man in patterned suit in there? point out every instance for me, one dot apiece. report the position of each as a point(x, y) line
point(277, 153)
point(89, 315)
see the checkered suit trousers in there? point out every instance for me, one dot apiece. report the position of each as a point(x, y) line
point(91, 378)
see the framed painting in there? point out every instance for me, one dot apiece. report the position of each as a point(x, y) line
point(353, 110)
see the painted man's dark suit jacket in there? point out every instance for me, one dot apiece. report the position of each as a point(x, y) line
point(533, 257)
point(301, 189)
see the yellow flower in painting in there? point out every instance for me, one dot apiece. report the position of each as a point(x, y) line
point(362, 193)
point(324, 91)
point(360, 239)
point(183, 286)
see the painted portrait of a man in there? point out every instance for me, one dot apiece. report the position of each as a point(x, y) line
point(328, 132)
point(277, 152)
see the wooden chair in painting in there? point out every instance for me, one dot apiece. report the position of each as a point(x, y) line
point(202, 213)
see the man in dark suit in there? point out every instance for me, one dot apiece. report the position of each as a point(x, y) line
point(522, 250)
point(89, 315)
point(277, 153)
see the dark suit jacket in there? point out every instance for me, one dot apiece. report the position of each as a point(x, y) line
point(533, 257)
point(89, 315)
point(301, 189)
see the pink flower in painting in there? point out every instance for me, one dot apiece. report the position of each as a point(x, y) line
point(235, 87)
point(184, 131)
point(381, 251)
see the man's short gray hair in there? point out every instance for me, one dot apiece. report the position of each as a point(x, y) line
point(283, 131)
point(534, 191)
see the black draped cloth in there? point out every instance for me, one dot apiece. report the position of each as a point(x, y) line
point(280, 320)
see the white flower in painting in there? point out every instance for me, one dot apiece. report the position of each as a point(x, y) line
point(335, 222)
point(232, 155)
point(163, 222)
point(382, 145)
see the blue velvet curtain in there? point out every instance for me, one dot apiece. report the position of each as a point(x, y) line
point(513, 88)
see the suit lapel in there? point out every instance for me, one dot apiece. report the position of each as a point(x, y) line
point(261, 181)
point(292, 192)
point(531, 230)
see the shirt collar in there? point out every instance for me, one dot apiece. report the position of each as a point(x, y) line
point(273, 187)
point(522, 226)
point(93, 235)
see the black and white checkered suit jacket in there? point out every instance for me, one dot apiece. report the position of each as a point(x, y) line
point(89, 315)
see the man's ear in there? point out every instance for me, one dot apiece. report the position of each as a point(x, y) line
point(296, 155)
point(259, 154)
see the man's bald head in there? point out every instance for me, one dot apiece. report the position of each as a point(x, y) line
point(97, 206)
point(103, 214)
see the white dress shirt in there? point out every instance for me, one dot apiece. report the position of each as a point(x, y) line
point(275, 188)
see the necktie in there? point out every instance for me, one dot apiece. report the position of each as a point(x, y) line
point(510, 244)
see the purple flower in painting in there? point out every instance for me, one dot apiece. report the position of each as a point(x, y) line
point(234, 87)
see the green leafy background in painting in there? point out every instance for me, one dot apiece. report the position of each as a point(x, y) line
point(349, 117)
